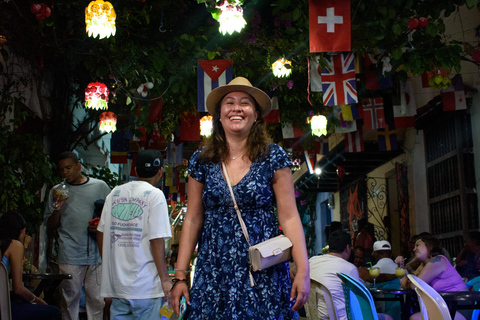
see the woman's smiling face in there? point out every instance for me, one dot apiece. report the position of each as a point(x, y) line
point(421, 251)
point(237, 112)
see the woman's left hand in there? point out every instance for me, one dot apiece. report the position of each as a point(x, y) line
point(300, 290)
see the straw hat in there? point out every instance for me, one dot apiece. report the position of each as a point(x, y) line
point(243, 85)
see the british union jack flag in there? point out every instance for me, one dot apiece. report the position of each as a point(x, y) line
point(338, 80)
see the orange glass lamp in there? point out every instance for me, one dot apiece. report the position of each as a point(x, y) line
point(96, 96)
point(282, 68)
point(318, 125)
point(100, 19)
point(108, 122)
point(231, 18)
point(206, 126)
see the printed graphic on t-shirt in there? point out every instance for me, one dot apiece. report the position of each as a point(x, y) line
point(127, 224)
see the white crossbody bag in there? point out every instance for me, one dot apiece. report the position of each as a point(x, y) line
point(264, 254)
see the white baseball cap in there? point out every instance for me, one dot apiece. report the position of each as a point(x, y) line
point(382, 245)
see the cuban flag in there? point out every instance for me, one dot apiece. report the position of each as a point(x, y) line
point(338, 80)
point(210, 75)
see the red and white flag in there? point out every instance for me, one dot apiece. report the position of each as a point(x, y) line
point(404, 114)
point(373, 113)
point(330, 26)
point(310, 160)
point(453, 98)
point(274, 115)
point(315, 76)
point(289, 131)
point(354, 141)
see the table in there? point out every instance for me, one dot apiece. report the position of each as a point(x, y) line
point(406, 297)
point(48, 283)
point(471, 299)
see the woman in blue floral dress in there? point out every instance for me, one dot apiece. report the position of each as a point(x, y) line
point(261, 178)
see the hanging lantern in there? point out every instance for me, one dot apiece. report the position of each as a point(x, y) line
point(318, 125)
point(206, 126)
point(282, 68)
point(96, 96)
point(100, 19)
point(108, 122)
point(231, 18)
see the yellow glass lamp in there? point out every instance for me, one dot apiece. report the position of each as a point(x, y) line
point(206, 126)
point(231, 19)
point(100, 19)
point(96, 96)
point(282, 68)
point(318, 125)
point(108, 122)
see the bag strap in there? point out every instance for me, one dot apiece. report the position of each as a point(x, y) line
point(240, 219)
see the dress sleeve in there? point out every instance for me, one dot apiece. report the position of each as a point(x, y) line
point(278, 157)
point(196, 169)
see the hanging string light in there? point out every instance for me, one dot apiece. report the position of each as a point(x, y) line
point(108, 122)
point(231, 18)
point(96, 96)
point(206, 126)
point(318, 125)
point(282, 68)
point(100, 19)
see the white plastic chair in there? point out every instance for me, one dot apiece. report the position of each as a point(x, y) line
point(431, 302)
point(5, 307)
point(318, 290)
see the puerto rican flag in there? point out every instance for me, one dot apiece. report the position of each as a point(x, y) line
point(338, 80)
point(373, 113)
point(329, 25)
point(210, 75)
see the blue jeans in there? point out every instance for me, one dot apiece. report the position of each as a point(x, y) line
point(133, 309)
point(24, 310)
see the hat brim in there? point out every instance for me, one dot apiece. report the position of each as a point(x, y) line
point(263, 100)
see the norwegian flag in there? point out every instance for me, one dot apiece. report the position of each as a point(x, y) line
point(210, 75)
point(453, 98)
point(329, 25)
point(373, 113)
point(354, 141)
point(338, 80)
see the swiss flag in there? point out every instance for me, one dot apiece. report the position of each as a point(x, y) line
point(329, 22)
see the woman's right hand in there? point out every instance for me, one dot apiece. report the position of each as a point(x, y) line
point(400, 260)
point(179, 290)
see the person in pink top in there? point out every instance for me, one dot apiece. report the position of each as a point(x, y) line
point(434, 269)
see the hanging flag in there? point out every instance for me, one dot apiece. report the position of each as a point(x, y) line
point(310, 160)
point(338, 80)
point(274, 115)
point(387, 139)
point(119, 143)
point(374, 79)
point(345, 126)
point(190, 127)
point(174, 153)
point(290, 131)
point(350, 113)
point(373, 114)
point(211, 74)
point(453, 97)
point(404, 114)
point(315, 76)
point(329, 25)
point(321, 146)
point(354, 141)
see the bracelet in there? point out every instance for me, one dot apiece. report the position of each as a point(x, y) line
point(176, 280)
point(181, 270)
point(33, 300)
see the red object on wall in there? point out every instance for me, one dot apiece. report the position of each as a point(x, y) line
point(340, 172)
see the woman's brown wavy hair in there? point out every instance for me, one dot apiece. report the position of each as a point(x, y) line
point(216, 148)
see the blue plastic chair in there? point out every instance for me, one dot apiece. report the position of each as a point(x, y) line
point(475, 285)
point(358, 300)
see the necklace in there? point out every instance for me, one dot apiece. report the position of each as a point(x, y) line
point(240, 155)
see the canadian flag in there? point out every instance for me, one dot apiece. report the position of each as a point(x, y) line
point(329, 22)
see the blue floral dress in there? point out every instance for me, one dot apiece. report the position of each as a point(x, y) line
point(221, 288)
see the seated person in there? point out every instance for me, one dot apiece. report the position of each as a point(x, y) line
point(324, 269)
point(468, 260)
point(382, 255)
point(358, 256)
point(25, 305)
point(435, 269)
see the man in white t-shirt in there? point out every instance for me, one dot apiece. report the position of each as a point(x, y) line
point(135, 219)
point(324, 269)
